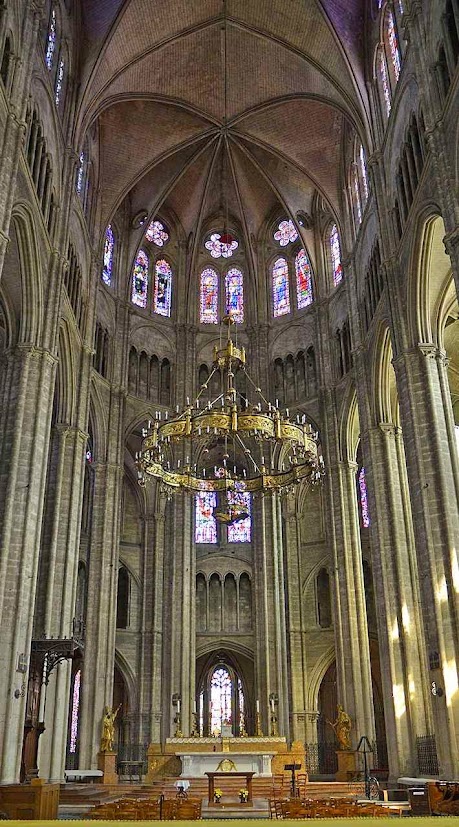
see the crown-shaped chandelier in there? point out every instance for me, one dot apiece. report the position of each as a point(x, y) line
point(259, 449)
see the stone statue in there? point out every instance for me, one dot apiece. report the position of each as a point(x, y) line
point(342, 727)
point(108, 729)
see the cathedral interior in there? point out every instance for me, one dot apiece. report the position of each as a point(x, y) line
point(294, 165)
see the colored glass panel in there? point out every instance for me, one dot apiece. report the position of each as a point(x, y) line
point(74, 714)
point(385, 82)
point(356, 194)
point(51, 40)
point(163, 288)
point(140, 280)
point(285, 233)
point(80, 175)
point(393, 44)
point(221, 687)
point(209, 297)
point(241, 531)
point(303, 280)
point(234, 288)
point(363, 171)
point(59, 82)
point(281, 288)
point(206, 524)
point(157, 234)
point(221, 245)
point(364, 499)
point(109, 246)
point(335, 252)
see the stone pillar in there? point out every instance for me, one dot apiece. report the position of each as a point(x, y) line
point(97, 677)
point(26, 414)
point(433, 479)
point(297, 664)
point(351, 633)
point(154, 620)
point(395, 575)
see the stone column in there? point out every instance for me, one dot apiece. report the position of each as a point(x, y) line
point(432, 473)
point(26, 414)
point(351, 633)
point(395, 574)
point(154, 585)
point(297, 660)
point(97, 678)
point(179, 615)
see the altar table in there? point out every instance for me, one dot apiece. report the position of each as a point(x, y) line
point(217, 775)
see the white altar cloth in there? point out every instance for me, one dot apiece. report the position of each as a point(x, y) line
point(195, 764)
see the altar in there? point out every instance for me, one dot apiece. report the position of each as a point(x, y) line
point(195, 764)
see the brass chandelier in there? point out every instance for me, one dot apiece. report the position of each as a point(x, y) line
point(278, 453)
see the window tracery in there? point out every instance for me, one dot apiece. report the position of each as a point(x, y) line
point(286, 233)
point(221, 245)
point(157, 233)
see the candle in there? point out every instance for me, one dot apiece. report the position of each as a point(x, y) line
point(194, 707)
point(272, 704)
point(178, 707)
point(258, 706)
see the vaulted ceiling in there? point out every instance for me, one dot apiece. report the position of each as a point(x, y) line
point(249, 97)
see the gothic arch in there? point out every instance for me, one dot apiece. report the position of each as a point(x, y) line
point(430, 268)
point(31, 277)
point(385, 395)
point(129, 677)
point(349, 429)
point(65, 376)
point(316, 677)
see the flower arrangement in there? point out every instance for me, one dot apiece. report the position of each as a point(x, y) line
point(217, 795)
point(243, 794)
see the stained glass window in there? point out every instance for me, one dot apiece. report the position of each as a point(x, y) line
point(80, 174)
point(364, 499)
point(109, 246)
point(221, 245)
point(285, 233)
point(209, 297)
point(356, 194)
point(363, 171)
point(234, 289)
point(74, 714)
point(393, 44)
point(220, 700)
point(384, 82)
point(241, 531)
point(140, 280)
point(303, 279)
point(335, 251)
point(206, 524)
point(51, 40)
point(163, 288)
point(59, 81)
point(157, 233)
point(281, 288)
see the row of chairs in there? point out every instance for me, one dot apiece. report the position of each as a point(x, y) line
point(282, 787)
point(323, 808)
point(133, 809)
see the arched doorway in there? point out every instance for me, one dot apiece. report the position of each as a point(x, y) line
point(326, 762)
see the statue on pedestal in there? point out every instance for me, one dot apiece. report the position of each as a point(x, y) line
point(342, 727)
point(108, 729)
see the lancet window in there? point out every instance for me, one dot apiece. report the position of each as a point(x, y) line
point(210, 292)
point(109, 249)
point(335, 254)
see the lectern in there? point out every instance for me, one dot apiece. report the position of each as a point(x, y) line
point(293, 768)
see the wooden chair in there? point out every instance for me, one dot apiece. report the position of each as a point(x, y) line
point(168, 809)
point(278, 785)
point(188, 810)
